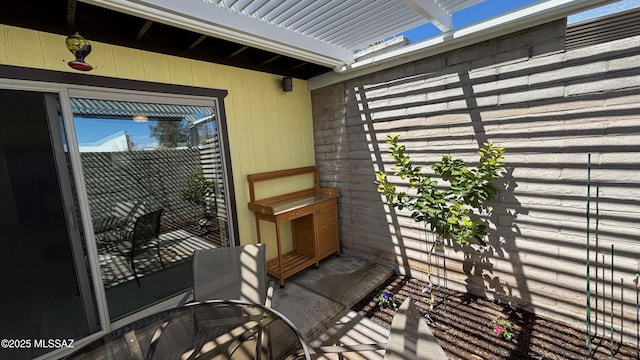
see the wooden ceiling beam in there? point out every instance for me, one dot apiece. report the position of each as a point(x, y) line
point(71, 14)
point(271, 59)
point(197, 42)
point(298, 66)
point(241, 49)
point(144, 29)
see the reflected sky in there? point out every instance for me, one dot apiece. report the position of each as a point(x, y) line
point(93, 130)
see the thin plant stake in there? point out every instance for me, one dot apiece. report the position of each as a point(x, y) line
point(611, 309)
point(636, 281)
point(588, 294)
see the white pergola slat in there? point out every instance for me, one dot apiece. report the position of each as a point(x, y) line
point(433, 11)
point(327, 32)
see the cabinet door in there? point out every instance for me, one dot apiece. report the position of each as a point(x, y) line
point(326, 223)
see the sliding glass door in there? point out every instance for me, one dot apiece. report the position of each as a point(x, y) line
point(46, 287)
point(104, 196)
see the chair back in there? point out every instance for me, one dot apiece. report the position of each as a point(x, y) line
point(126, 213)
point(128, 210)
point(232, 273)
point(145, 230)
point(410, 336)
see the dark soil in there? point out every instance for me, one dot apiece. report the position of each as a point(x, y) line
point(464, 327)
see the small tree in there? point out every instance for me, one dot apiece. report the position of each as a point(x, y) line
point(449, 211)
point(169, 133)
point(198, 188)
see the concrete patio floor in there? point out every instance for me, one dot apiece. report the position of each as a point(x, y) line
point(318, 302)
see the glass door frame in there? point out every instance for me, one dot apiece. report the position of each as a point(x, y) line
point(67, 190)
point(47, 82)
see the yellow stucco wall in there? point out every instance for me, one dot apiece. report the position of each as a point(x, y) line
point(268, 129)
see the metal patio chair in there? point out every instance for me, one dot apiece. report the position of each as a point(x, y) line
point(230, 273)
point(409, 338)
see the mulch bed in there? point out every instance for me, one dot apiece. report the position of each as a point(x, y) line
point(464, 327)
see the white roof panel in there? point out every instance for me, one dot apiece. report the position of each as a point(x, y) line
point(325, 31)
point(328, 32)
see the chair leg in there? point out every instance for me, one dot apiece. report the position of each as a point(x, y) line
point(263, 345)
point(160, 256)
point(133, 267)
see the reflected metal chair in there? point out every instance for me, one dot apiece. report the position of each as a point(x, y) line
point(111, 229)
point(142, 238)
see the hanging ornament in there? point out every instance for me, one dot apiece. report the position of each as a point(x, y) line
point(80, 48)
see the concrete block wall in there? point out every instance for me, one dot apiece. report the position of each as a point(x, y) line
point(550, 109)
